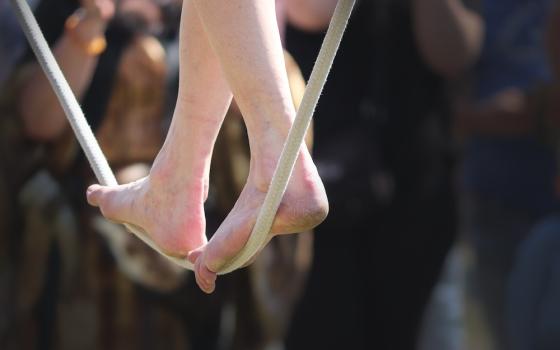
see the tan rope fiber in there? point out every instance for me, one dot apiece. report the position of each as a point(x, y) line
point(288, 157)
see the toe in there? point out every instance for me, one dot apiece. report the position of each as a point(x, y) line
point(93, 195)
point(205, 278)
point(193, 255)
point(115, 203)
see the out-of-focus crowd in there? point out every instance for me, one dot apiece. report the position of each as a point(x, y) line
point(436, 138)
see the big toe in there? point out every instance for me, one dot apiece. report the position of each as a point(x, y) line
point(113, 201)
point(94, 194)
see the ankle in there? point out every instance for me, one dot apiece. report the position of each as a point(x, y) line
point(263, 121)
point(261, 177)
point(194, 188)
point(264, 164)
point(169, 174)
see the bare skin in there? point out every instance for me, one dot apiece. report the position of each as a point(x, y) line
point(233, 45)
point(44, 119)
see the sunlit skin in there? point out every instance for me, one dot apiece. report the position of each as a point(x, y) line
point(228, 47)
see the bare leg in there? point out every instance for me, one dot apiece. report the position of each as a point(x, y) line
point(245, 36)
point(168, 204)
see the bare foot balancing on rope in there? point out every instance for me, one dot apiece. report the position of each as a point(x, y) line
point(228, 48)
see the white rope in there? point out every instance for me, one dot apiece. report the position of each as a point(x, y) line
point(288, 157)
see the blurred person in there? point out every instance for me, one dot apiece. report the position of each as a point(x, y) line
point(509, 168)
point(113, 83)
point(54, 289)
point(532, 305)
point(531, 296)
point(234, 49)
point(12, 43)
point(383, 148)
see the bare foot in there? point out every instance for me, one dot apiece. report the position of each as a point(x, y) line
point(303, 207)
point(147, 203)
point(168, 203)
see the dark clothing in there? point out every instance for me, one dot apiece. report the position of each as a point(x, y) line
point(510, 181)
point(383, 150)
point(532, 304)
point(519, 170)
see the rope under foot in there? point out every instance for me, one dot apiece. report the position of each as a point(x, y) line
point(283, 171)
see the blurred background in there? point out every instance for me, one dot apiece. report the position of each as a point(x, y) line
point(436, 138)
